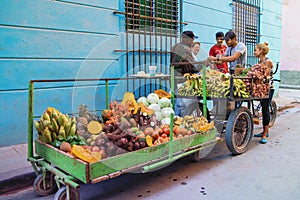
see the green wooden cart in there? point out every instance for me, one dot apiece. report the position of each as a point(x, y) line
point(58, 170)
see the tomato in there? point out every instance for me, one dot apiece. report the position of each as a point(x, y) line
point(166, 130)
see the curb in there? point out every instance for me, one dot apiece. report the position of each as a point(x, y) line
point(17, 182)
point(284, 86)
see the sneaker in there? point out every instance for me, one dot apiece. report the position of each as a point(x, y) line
point(260, 135)
point(263, 141)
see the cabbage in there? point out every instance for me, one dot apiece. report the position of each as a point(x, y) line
point(166, 121)
point(143, 100)
point(164, 102)
point(154, 107)
point(159, 116)
point(152, 98)
point(166, 112)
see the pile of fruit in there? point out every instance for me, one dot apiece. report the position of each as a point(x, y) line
point(126, 126)
point(260, 81)
point(217, 85)
point(55, 127)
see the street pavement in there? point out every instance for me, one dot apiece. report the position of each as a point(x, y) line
point(264, 172)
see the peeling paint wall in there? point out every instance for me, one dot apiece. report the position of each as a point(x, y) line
point(290, 48)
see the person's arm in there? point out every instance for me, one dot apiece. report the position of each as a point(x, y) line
point(232, 58)
point(269, 66)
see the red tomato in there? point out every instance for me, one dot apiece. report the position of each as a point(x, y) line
point(166, 130)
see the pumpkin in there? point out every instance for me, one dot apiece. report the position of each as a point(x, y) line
point(161, 93)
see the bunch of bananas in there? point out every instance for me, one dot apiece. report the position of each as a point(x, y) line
point(53, 124)
point(192, 87)
point(239, 89)
point(214, 86)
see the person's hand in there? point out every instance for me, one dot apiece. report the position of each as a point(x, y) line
point(211, 58)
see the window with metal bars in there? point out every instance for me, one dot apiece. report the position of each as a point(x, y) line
point(159, 16)
point(246, 23)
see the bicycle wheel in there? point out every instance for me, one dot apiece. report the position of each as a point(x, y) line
point(273, 113)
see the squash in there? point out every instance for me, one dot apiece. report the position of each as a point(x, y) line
point(161, 93)
point(130, 101)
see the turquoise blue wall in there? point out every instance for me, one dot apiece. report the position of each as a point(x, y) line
point(46, 39)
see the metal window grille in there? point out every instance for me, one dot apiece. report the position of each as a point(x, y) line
point(152, 16)
point(152, 27)
point(246, 24)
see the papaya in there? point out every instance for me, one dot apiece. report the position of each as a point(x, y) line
point(161, 93)
point(85, 154)
point(145, 109)
point(149, 140)
point(130, 101)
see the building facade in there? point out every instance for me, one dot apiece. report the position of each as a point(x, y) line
point(73, 39)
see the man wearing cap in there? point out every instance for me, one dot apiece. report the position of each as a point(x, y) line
point(235, 54)
point(182, 53)
point(182, 60)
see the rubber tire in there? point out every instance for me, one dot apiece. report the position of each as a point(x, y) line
point(51, 185)
point(202, 153)
point(61, 194)
point(198, 107)
point(239, 117)
point(273, 113)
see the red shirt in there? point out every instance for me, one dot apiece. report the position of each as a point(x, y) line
point(220, 51)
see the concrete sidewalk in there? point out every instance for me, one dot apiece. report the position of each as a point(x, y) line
point(16, 172)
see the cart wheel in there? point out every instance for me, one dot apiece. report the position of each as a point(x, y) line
point(273, 113)
point(239, 130)
point(61, 194)
point(196, 110)
point(202, 153)
point(38, 184)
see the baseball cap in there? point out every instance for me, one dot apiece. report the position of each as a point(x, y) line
point(189, 34)
point(229, 35)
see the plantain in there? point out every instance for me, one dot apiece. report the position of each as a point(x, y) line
point(62, 132)
point(46, 123)
point(55, 126)
point(62, 119)
point(68, 127)
point(54, 115)
point(46, 116)
point(37, 126)
point(53, 135)
point(72, 130)
point(47, 136)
